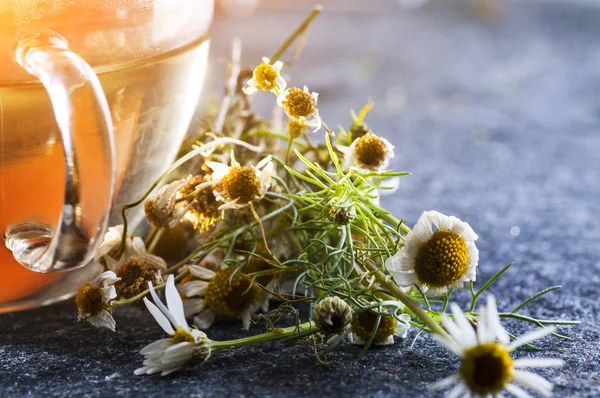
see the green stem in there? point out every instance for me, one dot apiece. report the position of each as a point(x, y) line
point(406, 300)
point(306, 329)
point(299, 30)
point(395, 222)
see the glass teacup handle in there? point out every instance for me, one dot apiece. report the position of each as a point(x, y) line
point(83, 119)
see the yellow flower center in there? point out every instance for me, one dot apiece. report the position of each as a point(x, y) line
point(89, 299)
point(204, 211)
point(298, 103)
point(486, 368)
point(370, 151)
point(182, 335)
point(241, 185)
point(364, 323)
point(442, 260)
point(231, 296)
point(265, 77)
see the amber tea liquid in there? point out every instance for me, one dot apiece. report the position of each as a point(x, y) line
point(151, 101)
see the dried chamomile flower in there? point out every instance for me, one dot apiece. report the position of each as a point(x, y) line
point(332, 315)
point(486, 366)
point(237, 185)
point(301, 104)
point(162, 208)
point(184, 347)
point(94, 298)
point(203, 208)
point(435, 260)
point(369, 152)
point(364, 322)
point(111, 245)
point(220, 293)
point(135, 273)
point(266, 77)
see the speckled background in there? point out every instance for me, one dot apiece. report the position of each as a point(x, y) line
point(498, 120)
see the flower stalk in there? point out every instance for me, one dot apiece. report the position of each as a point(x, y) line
point(304, 330)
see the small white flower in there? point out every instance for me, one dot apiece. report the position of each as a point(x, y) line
point(218, 293)
point(266, 77)
point(185, 346)
point(238, 186)
point(301, 105)
point(368, 153)
point(401, 330)
point(435, 260)
point(94, 298)
point(486, 366)
point(161, 207)
point(110, 246)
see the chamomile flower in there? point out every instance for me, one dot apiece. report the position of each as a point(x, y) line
point(436, 260)
point(94, 298)
point(301, 104)
point(184, 346)
point(486, 366)
point(364, 322)
point(203, 209)
point(237, 186)
point(111, 245)
point(162, 208)
point(135, 272)
point(219, 293)
point(368, 152)
point(266, 77)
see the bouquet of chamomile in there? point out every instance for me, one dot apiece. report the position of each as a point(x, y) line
point(258, 218)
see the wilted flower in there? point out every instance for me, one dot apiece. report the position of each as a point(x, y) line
point(203, 208)
point(238, 186)
point(266, 77)
point(301, 104)
point(220, 293)
point(435, 260)
point(486, 366)
point(332, 315)
point(185, 346)
point(368, 152)
point(135, 273)
point(364, 322)
point(111, 245)
point(94, 298)
point(161, 207)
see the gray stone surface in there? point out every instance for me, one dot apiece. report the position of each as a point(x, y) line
point(499, 123)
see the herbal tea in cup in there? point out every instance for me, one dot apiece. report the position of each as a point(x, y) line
point(95, 98)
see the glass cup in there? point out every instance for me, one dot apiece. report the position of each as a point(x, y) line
point(95, 99)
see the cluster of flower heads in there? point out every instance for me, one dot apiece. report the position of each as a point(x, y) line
point(437, 255)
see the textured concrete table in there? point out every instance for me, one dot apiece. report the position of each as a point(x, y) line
point(498, 120)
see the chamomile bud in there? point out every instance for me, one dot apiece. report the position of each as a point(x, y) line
point(332, 315)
